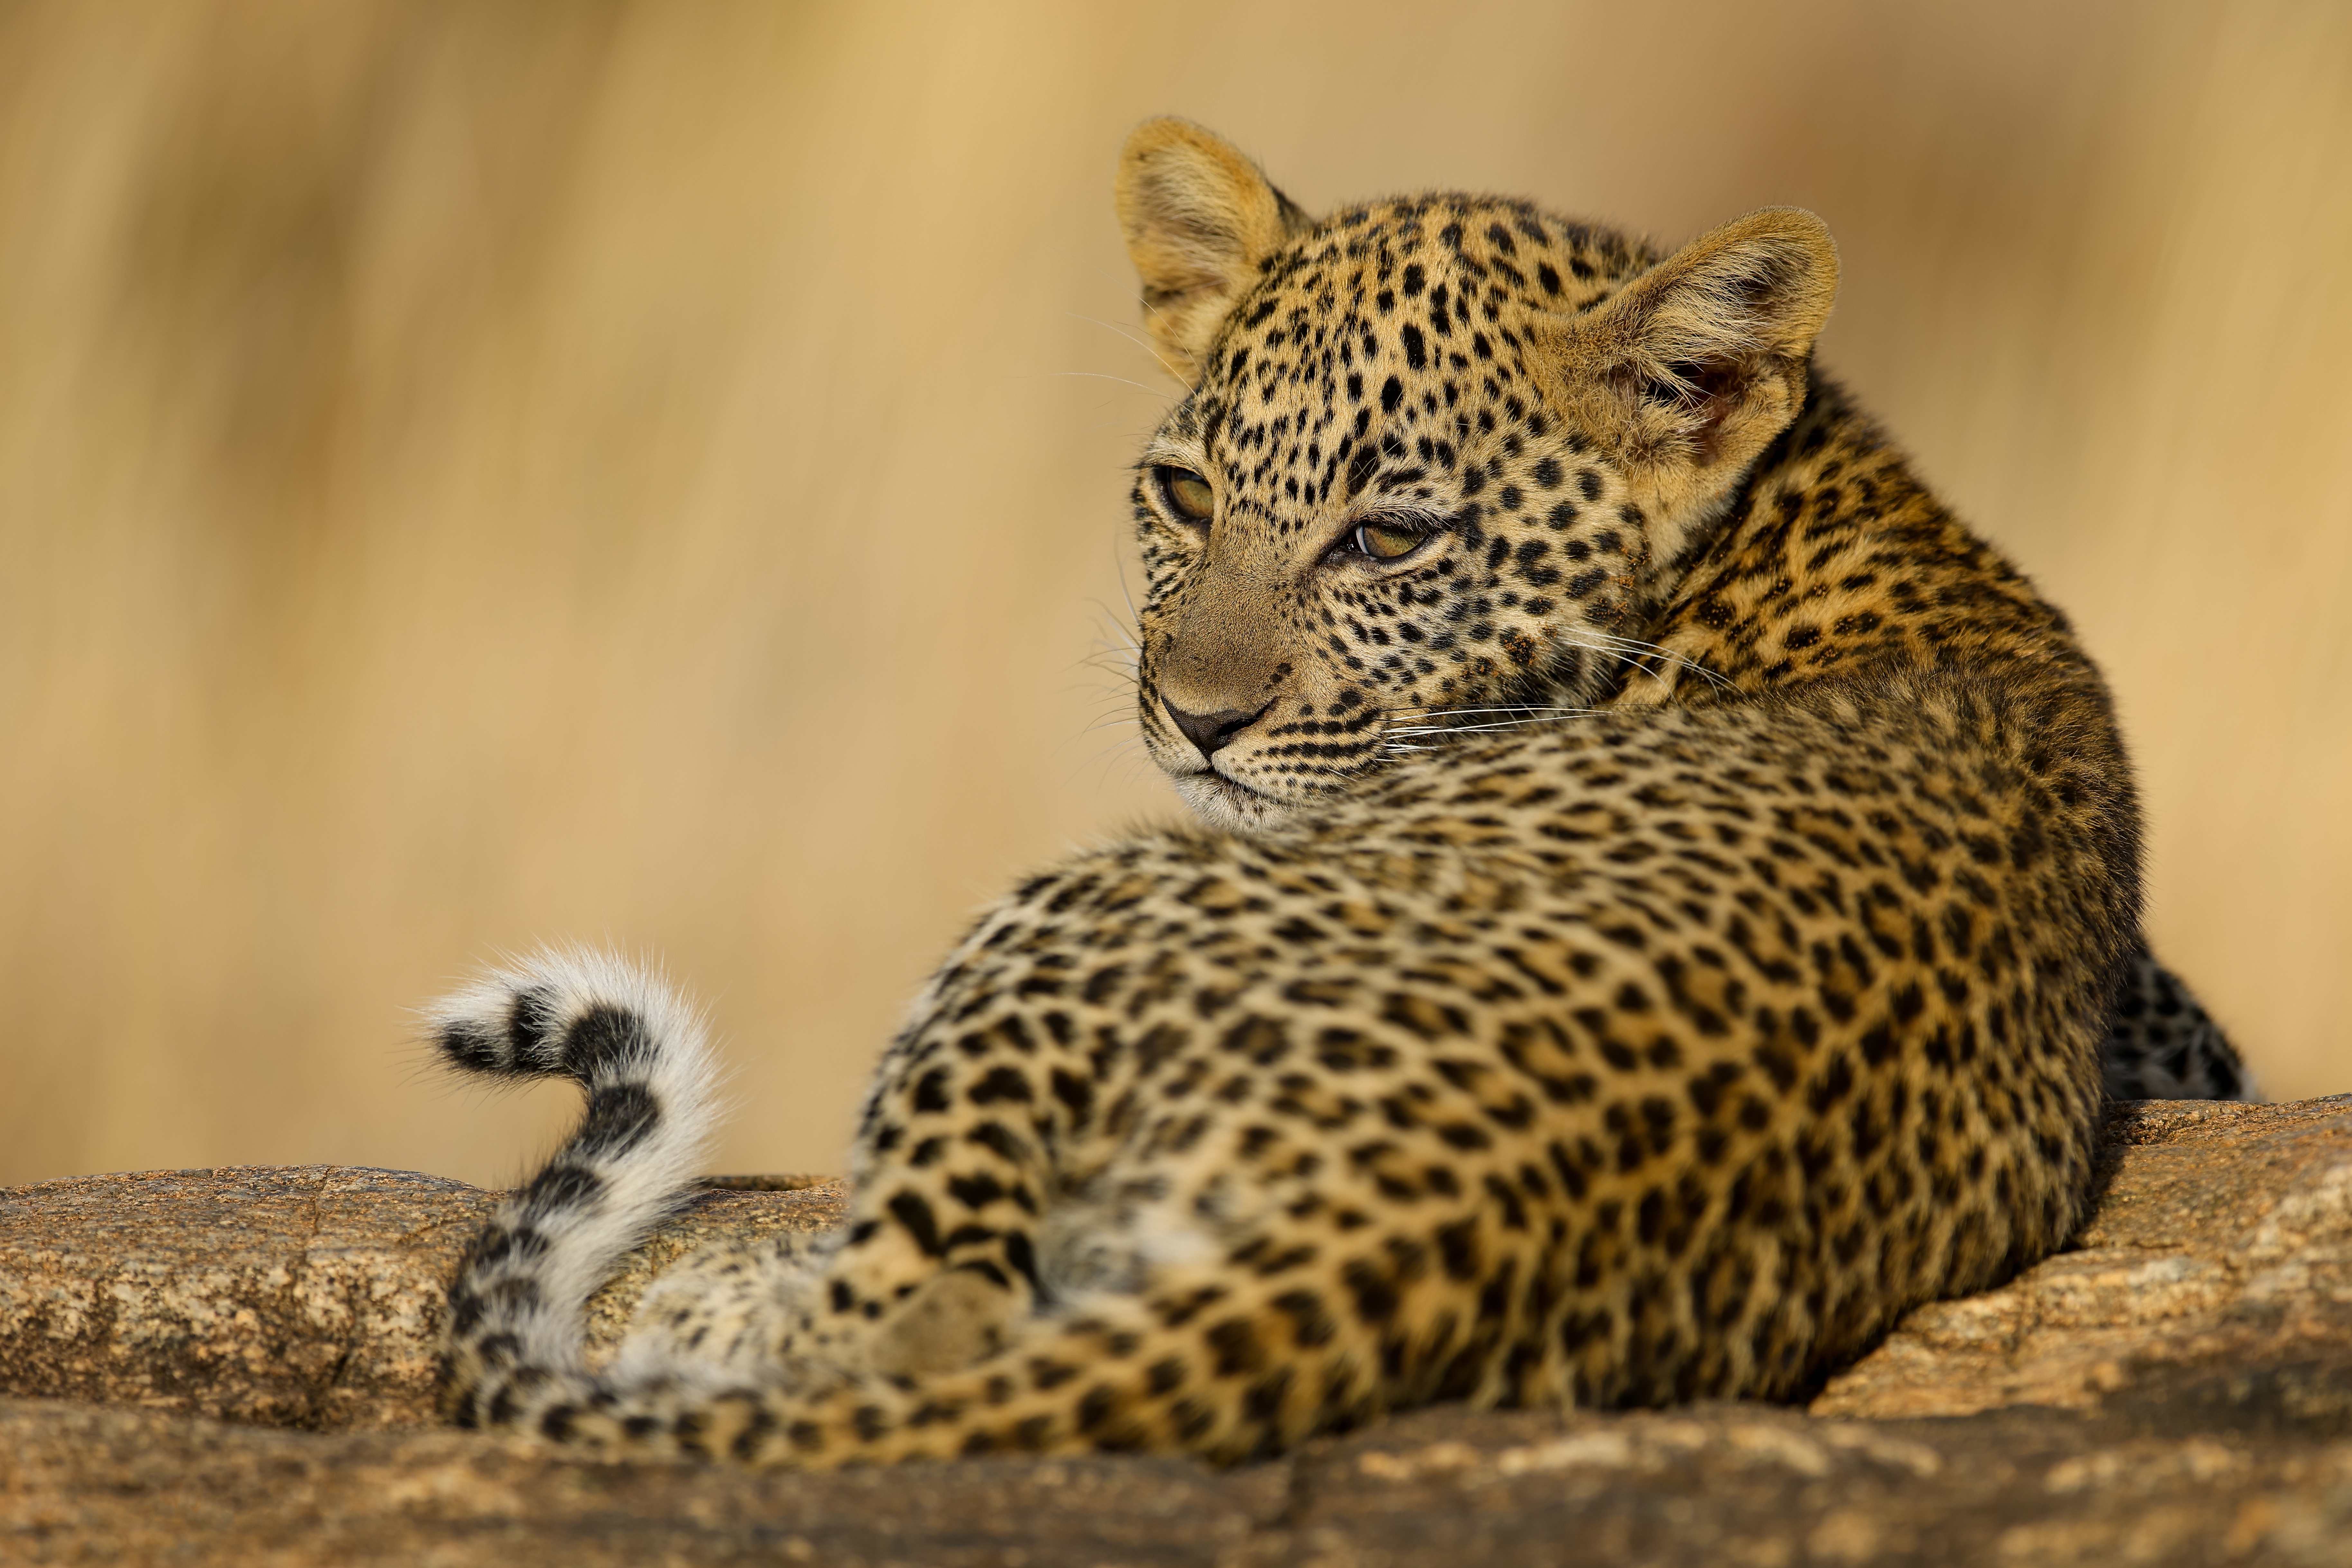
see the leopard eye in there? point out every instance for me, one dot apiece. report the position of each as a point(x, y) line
point(1187, 494)
point(1386, 538)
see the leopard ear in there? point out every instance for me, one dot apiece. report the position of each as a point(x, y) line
point(1200, 219)
point(1699, 362)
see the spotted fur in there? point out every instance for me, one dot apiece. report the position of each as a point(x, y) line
point(2162, 1044)
point(1650, 927)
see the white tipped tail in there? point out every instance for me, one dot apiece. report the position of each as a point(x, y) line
point(643, 1058)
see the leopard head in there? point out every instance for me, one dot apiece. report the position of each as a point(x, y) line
point(1440, 461)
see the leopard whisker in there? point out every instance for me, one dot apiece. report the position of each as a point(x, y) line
point(1633, 650)
point(1139, 342)
point(1526, 709)
point(1473, 728)
point(1103, 376)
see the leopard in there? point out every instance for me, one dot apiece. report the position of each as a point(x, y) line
point(1663, 901)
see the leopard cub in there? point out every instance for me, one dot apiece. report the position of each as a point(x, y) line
point(1661, 889)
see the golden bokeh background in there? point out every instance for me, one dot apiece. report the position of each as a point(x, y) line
point(475, 472)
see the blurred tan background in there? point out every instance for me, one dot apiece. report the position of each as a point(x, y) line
point(475, 472)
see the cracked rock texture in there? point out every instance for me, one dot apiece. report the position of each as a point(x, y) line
point(2176, 1388)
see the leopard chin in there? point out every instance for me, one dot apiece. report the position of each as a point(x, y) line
point(1235, 808)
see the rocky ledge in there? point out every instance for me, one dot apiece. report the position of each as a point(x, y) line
point(234, 1366)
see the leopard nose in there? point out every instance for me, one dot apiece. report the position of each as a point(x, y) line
point(1211, 731)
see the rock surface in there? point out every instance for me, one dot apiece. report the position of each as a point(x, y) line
point(2175, 1389)
point(292, 1296)
point(2217, 1266)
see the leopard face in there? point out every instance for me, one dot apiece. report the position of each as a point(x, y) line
point(1437, 461)
point(1371, 517)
